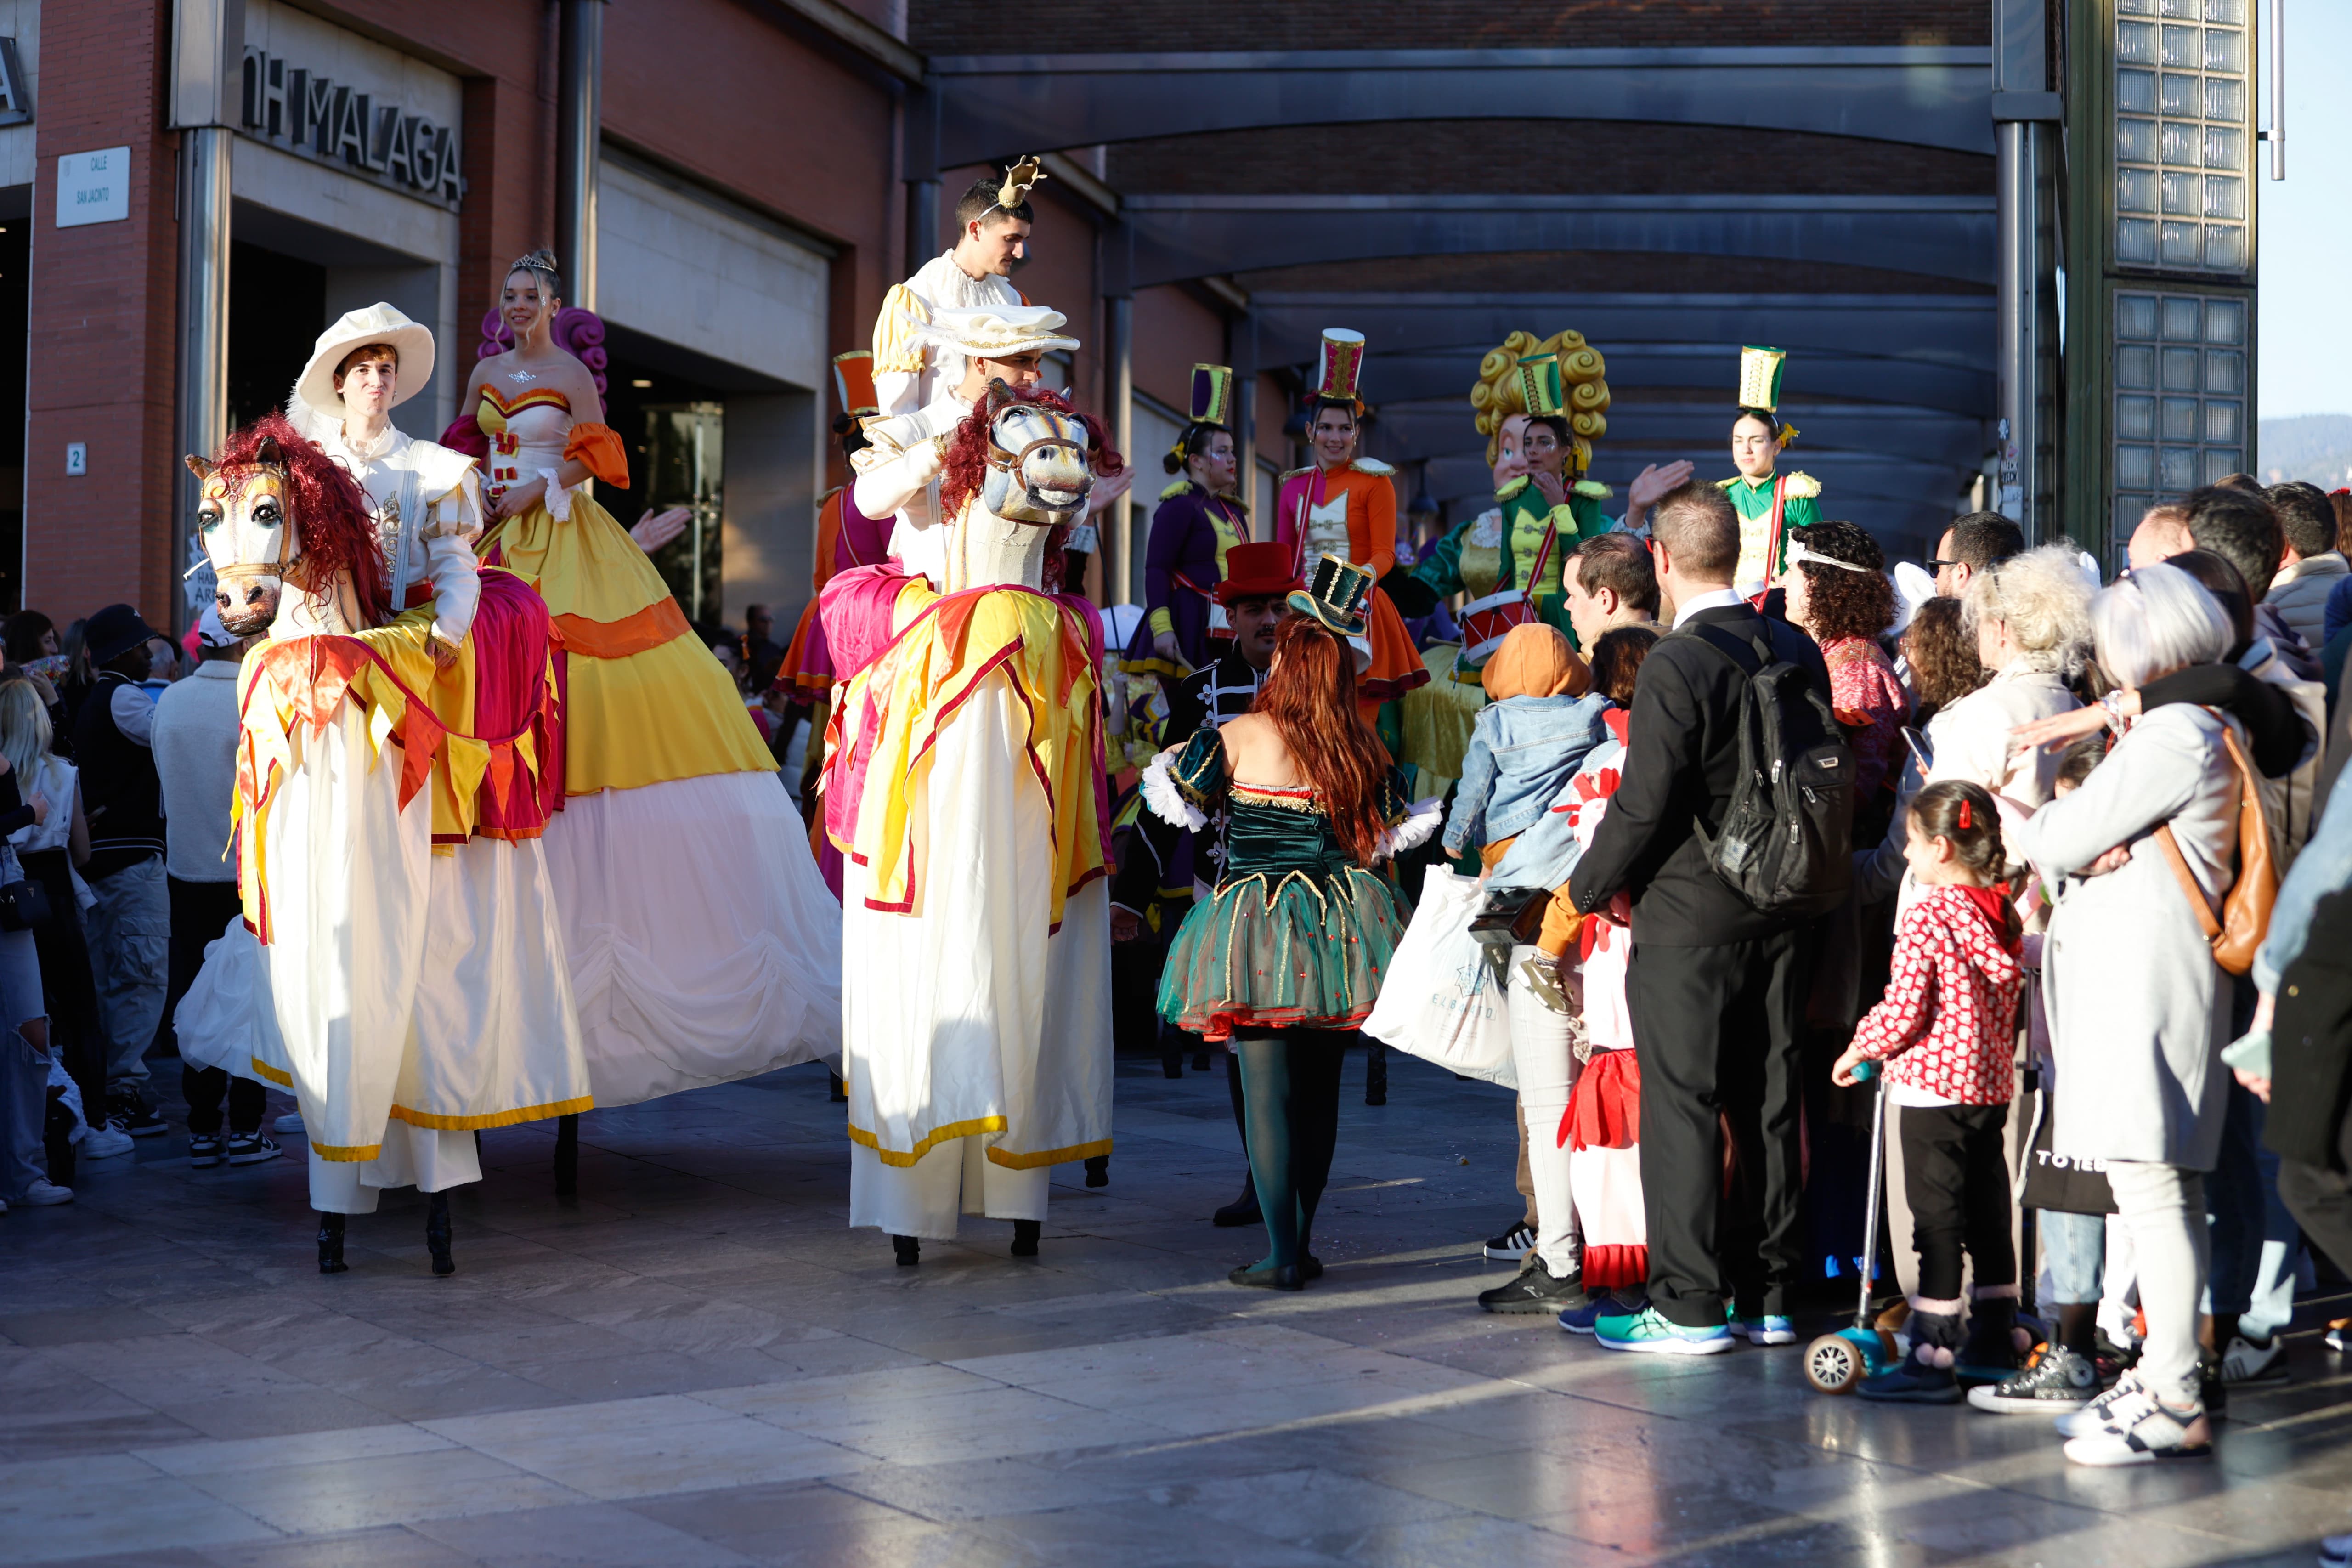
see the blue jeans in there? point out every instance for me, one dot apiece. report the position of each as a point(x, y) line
point(2254, 1237)
point(24, 1071)
point(2075, 1252)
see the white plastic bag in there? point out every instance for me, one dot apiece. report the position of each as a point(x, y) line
point(1439, 1000)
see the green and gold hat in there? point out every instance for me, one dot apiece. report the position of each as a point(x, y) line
point(1541, 388)
point(1213, 394)
point(1759, 378)
point(1339, 596)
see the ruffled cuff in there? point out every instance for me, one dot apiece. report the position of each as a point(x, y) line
point(558, 498)
point(1420, 821)
point(1166, 801)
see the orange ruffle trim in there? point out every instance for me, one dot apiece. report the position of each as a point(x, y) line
point(650, 628)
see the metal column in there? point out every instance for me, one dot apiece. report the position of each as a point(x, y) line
point(206, 76)
point(2019, 433)
point(578, 120)
point(1121, 589)
point(1246, 421)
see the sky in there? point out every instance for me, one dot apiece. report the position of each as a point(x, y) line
point(2304, 242)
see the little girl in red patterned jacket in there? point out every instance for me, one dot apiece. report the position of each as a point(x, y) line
point(1946, 1030)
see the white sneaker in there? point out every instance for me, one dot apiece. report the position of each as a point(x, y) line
point(103, 1142)
point(2143, 1430)
point(42, 1193)
point(290, 1122)
point(2093, 1418)
point(2245, 1361)
point(1512, 1246)
point(2336, 1552)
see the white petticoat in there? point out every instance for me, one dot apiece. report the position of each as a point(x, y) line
point(705, 947)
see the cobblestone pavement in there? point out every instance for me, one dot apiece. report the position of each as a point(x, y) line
point(696, 1363)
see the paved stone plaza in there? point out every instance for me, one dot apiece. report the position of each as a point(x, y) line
point(698, 1364)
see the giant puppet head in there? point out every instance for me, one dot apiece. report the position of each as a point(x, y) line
point(274, 512)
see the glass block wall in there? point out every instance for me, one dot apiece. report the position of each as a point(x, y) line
point(2181, 414)
point(2184, 135)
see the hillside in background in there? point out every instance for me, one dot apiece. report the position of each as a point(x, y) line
point(2315, 446)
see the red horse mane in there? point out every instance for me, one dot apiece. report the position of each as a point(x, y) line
point(966, 459)
point(331, 514)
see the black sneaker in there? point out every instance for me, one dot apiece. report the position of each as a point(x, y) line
point(251, 1147)
point(2053, 1378)
point(1911, 1382)
point(1536, 1290)
point(204, 1148)
point(2111, 1358)
point(134, 1117)
point(2212, 1391)
point(1512, 1244)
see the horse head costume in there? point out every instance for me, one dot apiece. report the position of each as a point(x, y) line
point(966, 791)
point(400, 966)
point(276, 514)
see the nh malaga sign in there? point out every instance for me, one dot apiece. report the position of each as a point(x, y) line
point(305, 112)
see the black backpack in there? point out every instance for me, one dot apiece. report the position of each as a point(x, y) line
point(1786, 845)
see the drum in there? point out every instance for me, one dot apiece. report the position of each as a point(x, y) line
point(1486, 622)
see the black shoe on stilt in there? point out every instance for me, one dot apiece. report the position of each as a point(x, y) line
point(1099, 1171)
point(1025, 1237)
point(437, 1235)
point(837, 1092)
point(909, 1250)
point(1200, 1061)
point(1243, 1210)
point(1376, 1075)
point(331, 1245)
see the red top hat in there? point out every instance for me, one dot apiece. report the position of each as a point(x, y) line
point(1257, 572)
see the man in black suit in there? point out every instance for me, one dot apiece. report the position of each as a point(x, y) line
point(1715, 989)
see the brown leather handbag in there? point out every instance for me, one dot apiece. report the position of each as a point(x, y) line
point(2246, 913)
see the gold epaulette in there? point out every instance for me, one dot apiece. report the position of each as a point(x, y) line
point(1290, 474)
point(1513, 489)
point(1802, 485)
point(1181, 488)
point(1727, 484)
point(1370, 465)
point(829, 495)
point(1594, 490)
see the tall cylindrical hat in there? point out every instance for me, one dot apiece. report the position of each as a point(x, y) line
point(1759, 378)
point(852, 382)
point(1343, 365)
point(1213, 394)
point(1542, 392)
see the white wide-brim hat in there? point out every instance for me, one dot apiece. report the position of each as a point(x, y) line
point(376, 323)
point(999, 331)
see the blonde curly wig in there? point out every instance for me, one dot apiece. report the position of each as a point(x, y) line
point(1497, 396)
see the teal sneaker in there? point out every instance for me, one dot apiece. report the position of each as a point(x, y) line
point(1769, 1330)
point(1651, 1332)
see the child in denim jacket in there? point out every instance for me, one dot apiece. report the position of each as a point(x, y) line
point(1526, 742)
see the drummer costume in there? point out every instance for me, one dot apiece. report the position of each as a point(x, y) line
point(1350, 513)
point(1770, 506)
point(1191, 534)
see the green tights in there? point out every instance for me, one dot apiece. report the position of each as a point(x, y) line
point(1290, 1091)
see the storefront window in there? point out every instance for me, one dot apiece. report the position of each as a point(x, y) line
point(684, 449)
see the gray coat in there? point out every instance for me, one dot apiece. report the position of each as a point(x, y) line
point(2139, 1010)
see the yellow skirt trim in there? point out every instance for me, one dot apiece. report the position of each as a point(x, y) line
point(282, 1079)
point(496, 1118)
point(931, 1140)
point(346, 1154)
point(1012, 1162)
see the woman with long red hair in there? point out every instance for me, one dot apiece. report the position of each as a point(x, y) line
point(1286, 957)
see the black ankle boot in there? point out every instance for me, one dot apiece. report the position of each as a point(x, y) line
point(1099, 1171)
point(1376, 1075)
point(909, 1250)
point(436, 1233)
point(1025, 1237)
point(331, 1245)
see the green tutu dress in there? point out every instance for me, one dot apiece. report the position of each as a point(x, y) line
point(1298, 935)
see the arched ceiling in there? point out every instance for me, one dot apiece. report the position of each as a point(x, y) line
point(1819, 178)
